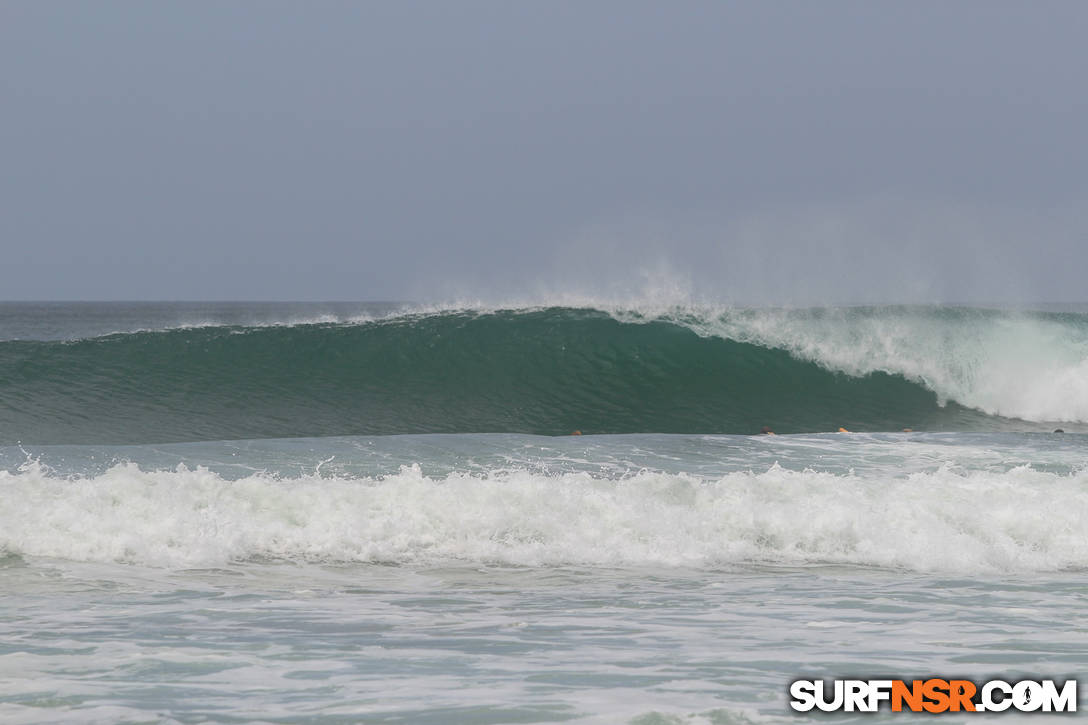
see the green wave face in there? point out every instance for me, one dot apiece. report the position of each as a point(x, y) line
point(548, 371)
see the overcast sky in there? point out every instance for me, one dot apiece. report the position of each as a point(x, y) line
point(763, 152)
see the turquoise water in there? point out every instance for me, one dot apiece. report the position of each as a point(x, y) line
point(231, 372)
point(148, 574)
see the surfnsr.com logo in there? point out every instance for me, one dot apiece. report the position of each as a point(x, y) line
point(933, 695)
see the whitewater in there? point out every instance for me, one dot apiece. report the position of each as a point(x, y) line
point(342, 512)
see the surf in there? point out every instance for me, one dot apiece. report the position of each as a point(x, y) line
point(945, 520)
point(553, 370)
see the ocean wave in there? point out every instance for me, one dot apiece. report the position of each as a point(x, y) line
point(552, 370)
point(1022, 520)
point(1031, 366)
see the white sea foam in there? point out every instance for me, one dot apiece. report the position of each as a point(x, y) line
point(948, 520)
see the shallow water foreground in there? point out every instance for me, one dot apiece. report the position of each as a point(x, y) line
point(266, 642)
point(511, 578)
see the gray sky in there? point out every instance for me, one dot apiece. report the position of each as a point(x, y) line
point(794, 152)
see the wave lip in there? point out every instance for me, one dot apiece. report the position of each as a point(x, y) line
point(1022, 520)
point(1030, 366)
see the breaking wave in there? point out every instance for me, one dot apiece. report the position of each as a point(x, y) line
point(945, 520)
point(554, 370)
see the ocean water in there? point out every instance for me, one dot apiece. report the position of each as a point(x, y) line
point(340, 513)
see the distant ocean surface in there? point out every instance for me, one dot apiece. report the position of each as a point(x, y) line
point(340, 513)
